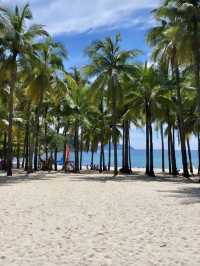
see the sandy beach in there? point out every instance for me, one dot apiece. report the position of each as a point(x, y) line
point(82, 220)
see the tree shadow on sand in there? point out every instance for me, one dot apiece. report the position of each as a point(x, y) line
point(136, 177)
point(189, 195)
point(21, 176)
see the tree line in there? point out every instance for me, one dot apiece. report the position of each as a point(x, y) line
point(44, 106)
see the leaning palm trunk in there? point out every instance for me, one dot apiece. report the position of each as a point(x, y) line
point(163, 147)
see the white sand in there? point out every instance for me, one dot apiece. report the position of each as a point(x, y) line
point(76, 220)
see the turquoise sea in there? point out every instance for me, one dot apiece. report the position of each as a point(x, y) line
point(137, 158)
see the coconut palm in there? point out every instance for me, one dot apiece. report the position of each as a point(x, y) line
point(148, 98)
point(17, 40)
point(108, 63)
point(46, 63)
point(163, 39)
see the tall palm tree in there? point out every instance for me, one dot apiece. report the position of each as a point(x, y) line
point(17, 40)
point(46, 62)
point(80, 108)
point(108, 62)
point(187, 14)
point(149, 99)
point(163, 39)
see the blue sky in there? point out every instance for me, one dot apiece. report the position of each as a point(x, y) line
point(77, 23)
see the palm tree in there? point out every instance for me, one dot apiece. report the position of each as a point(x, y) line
point(46, 63)
point(108, 63)
point(17, 40)
point(80, 107)
point(163, 39)
point(187, 14)
point(147, 97)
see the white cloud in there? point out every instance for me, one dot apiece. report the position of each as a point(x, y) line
point(75, 16)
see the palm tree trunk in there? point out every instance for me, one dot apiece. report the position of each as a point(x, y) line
point(76, 147)
point(196, 54)
point(56, 150)
point(45, 134)
point(92, 159)
point(129, 148)
point(123, 147)
point(64, 146)
point(126, 147)
point(104, 165)
point(181, 122)
point(198, 137)
point(162, 147)
point(18, 153)
point(147, 142)
point(26, 145)
point(114, 124)
point(151, 166)
point(30, 155)
point(5, 147)
point(101, 158)
point(173, 156)
point(190, 156)
point(10, 117)
point(109, 154)
point(55, 159)
point(37, 128)
point(81, 149)
point(169, 148)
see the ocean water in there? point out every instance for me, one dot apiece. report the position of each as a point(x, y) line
point(138, 158)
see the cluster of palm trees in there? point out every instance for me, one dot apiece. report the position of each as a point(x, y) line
point(43, 107)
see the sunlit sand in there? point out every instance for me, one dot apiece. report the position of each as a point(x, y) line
point(68, 219)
